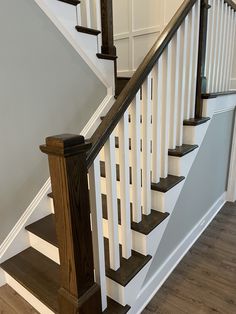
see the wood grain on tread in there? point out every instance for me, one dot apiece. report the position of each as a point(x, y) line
point(129, 268)
point(87, 30)
point(196, 121)
point(205, 279)
point(106, 56)
point(115, 308)
point(148, 222)
point(38, 274)
point(45, 229)
point(181, 151)
point(12, 303)
point(166, 184)
point(72, 2)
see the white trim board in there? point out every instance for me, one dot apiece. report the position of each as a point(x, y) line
point(158, 279)
point(231, 193)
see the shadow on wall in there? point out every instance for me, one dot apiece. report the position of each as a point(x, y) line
point(46, 89)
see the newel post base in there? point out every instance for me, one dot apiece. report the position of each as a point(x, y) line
point(68, 169)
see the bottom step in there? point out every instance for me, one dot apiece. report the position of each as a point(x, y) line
point(40, 277)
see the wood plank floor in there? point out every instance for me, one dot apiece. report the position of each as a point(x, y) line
point(205, 280)
point(12, 303)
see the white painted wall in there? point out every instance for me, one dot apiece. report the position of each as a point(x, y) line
point(137, 27)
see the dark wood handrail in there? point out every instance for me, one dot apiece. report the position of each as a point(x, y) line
point(112, 118)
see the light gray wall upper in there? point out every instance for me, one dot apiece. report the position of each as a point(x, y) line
point(205, 183)
point(45, 89)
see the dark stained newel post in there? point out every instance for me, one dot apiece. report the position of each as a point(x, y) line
point(201, 79)
point(68, 169)
point(108, 47)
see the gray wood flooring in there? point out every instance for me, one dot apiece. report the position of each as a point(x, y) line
point(205, 280)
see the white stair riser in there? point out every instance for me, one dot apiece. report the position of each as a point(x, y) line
point(149, 244)
point(165, 202)
point(195, 134)
point(44, 247)
point(180, 166)
point(29, 297)
point(127, 295)
point(142, 243)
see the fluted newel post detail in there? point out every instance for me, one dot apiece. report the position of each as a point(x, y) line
point(201, 79)
point(107, 28)
point(68, 169)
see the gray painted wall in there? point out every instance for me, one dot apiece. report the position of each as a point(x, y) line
point(205, 183)
point(45, 89)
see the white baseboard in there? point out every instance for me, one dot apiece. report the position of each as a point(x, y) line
point(157, 280)
point(231, 193)
point(2, 278)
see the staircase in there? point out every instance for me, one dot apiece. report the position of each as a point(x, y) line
point(113, 193)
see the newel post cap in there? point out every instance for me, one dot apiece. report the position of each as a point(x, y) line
point(65, 145)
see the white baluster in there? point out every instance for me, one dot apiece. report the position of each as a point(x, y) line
point(227, 47)
point(88, 13)
point(231, 52)
point(216, 47)
point(146, 146)
point(110, 168)
point(96, 14)
point(210, 69)
point(187, 60)
point(190, 64)
point(97, 228)
point(209, 44)
point(156, 121)
point(223, 54)
point(78, 15)
point(126, 236)
point(180, 82)
point(135, 127)
point(165, 117)
point(220, 46)
point(171, 99)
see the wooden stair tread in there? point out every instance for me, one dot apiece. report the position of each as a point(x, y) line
point(148, 222)
point(134, 264)
point(86, 30)
point(72, 2)
point(45, 229)
point(129, 268)
point(167, 183)
point(37, 273)
point(115, 308)
point(181, 151)
point(106, 56)
point(196, 121)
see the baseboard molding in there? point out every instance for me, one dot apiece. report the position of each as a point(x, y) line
point(155, 283)
point(17, 239)
point(2, 278)
point(231, 190)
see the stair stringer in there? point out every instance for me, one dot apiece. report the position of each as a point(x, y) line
point(64, 18)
